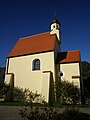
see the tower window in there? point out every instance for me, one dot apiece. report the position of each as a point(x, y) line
point(53, 26)
point(36, 64)
point(57, 27)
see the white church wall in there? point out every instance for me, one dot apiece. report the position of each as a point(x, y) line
point(46, 85)
point(24, 77)
point(8, 78)
point(71, 73)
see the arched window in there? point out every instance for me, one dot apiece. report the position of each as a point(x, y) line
point(36, 64)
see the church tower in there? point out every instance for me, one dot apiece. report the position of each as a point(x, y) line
point(55, 29)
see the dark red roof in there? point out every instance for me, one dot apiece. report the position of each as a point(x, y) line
point(68, 57)
point(33, 44)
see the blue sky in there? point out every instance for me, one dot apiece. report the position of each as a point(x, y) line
point(20, 18)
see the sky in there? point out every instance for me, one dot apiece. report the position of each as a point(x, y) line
point(21, 18)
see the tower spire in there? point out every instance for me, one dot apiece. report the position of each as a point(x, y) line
point(55, 28)
point(55, 14)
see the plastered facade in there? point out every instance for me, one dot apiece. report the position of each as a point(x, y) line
point(25, 77)
point(71, 70)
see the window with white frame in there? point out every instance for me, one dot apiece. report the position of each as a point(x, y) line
point(36, 64)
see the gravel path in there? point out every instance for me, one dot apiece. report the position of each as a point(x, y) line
point(9, 113)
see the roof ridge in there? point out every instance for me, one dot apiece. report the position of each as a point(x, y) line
point(34, 35)
point(31, 45)
point(71, 51)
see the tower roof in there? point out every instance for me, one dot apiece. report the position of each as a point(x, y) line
point(55, 20)
point(68, 57)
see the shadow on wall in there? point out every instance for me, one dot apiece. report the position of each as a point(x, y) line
point(61, 56)
point(2, 74)
point(51, 90)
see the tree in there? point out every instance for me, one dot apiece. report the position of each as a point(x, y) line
point(4, 89)
point(86, 78)
point(85, 69)
point(67, 93)
point(86, 83)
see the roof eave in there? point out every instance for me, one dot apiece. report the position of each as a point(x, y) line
point(28, 54)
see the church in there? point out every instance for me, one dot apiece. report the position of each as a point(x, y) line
point(36, 62)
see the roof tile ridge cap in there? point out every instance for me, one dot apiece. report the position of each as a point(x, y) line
point(52, 34)
point(73, 51)
point(34, 35)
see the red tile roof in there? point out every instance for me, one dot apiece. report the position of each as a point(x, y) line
point(33, 44)
point(68, 57)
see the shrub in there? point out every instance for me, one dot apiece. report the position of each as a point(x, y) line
point(4, 91)
point(72, 114)
point(18, 94)
point(30, 112)
point(38, 113)
point(26, 96)
point(30, 96)
point(67, 93)
point(50, 113)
